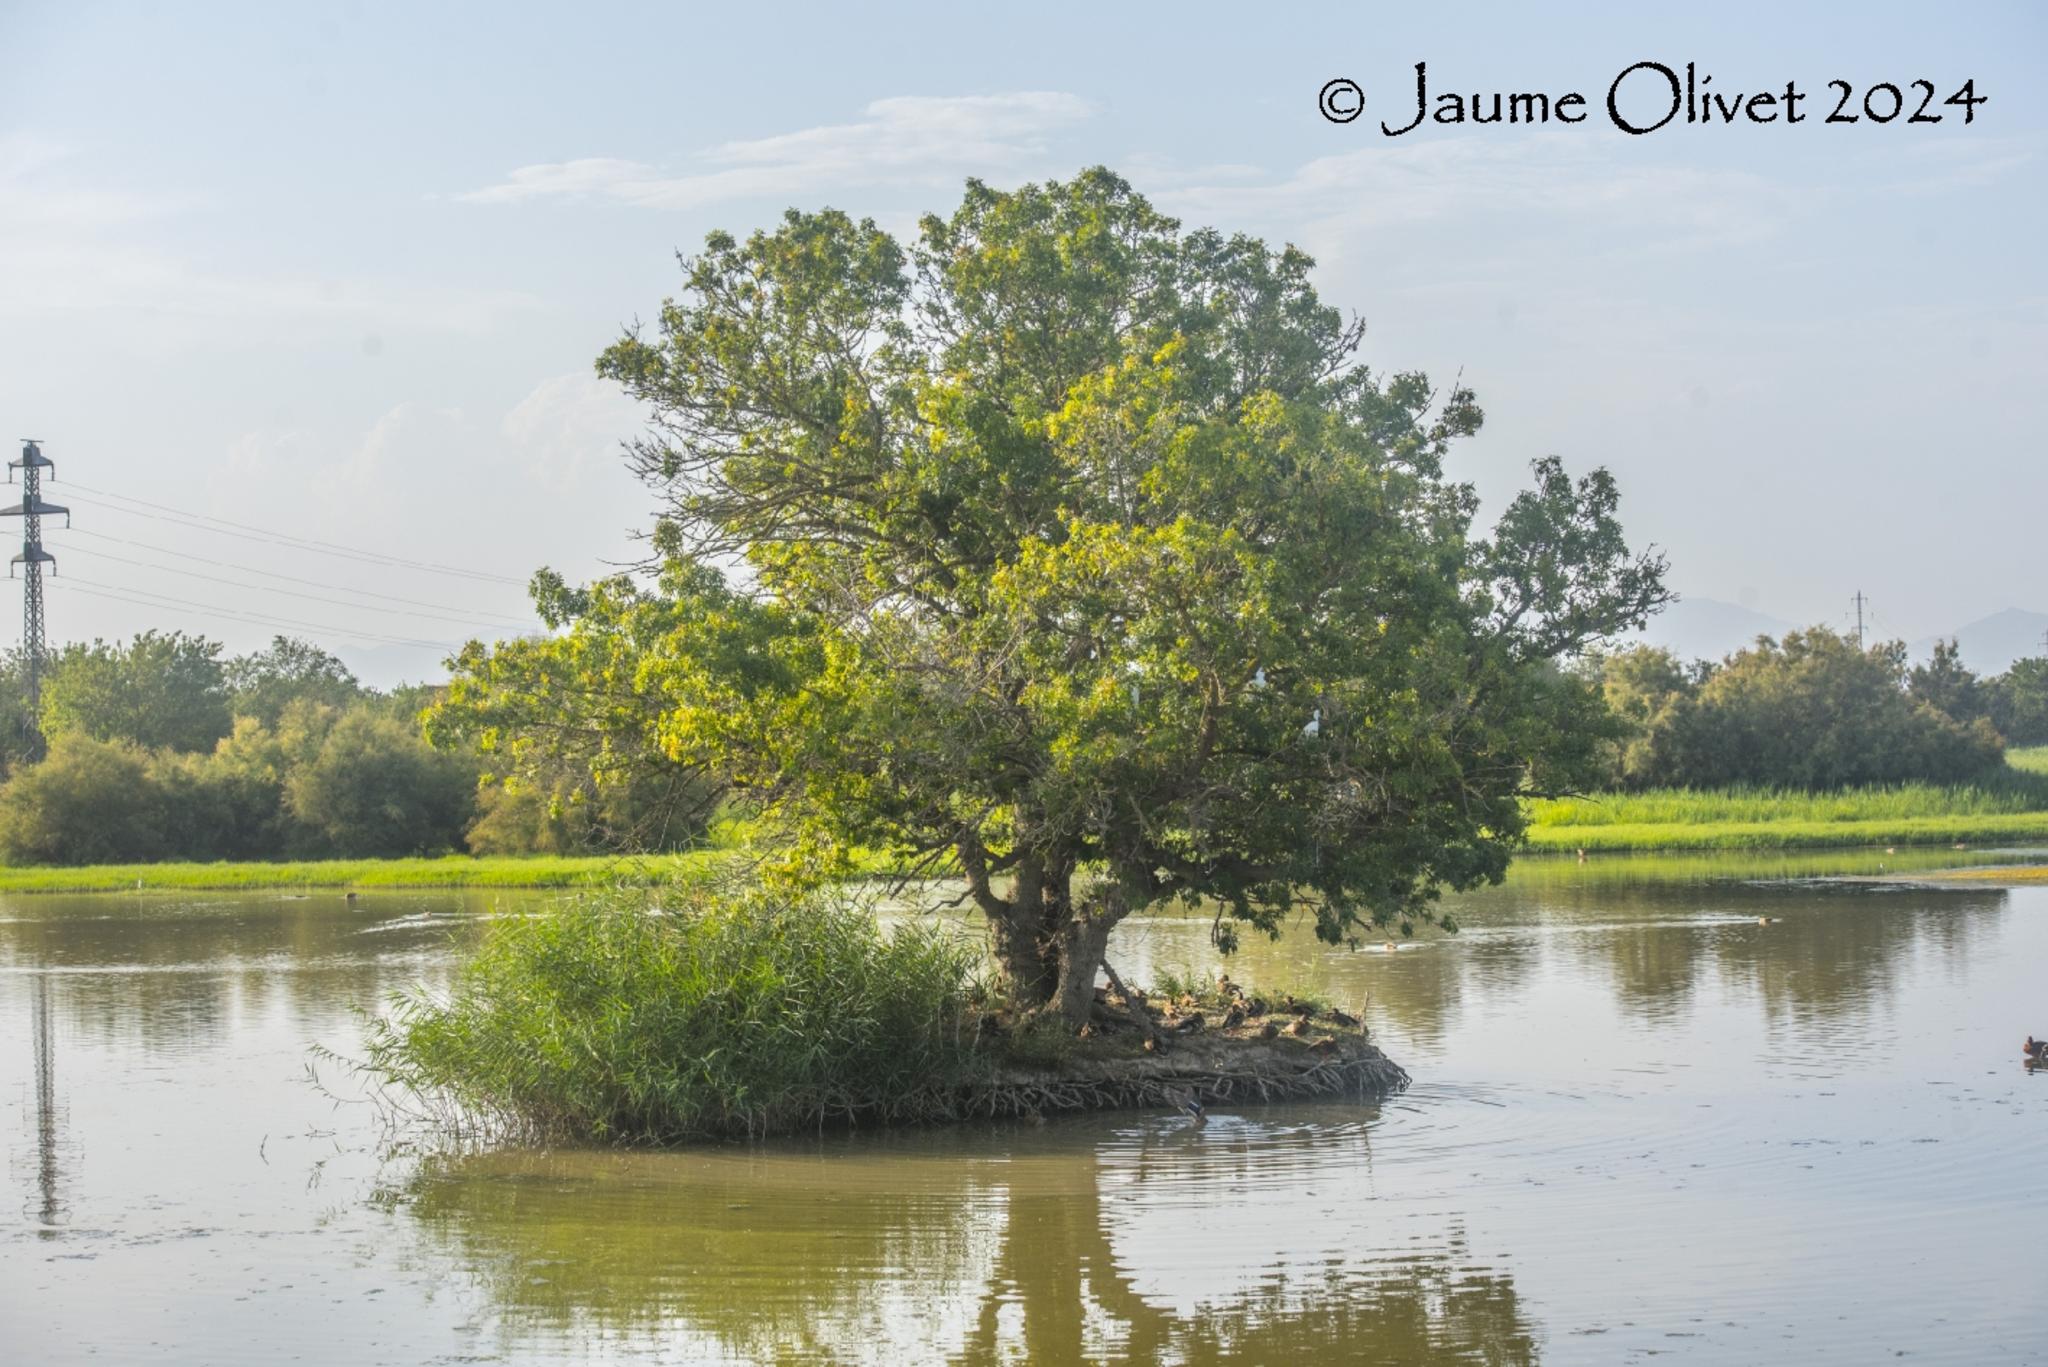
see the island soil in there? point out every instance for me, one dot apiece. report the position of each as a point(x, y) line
point(1224, 1048)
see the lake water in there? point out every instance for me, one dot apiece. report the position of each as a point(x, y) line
point(1643, 1125)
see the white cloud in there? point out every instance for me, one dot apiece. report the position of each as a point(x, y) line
point(570, 428)
point(74, 248)
point(906, 140)
point(1527, 180)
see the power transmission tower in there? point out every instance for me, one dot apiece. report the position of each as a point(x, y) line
point(1860, 601)
point(30, 510)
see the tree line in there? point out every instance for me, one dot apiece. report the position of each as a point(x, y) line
point(1815, 710)
point(162, 747)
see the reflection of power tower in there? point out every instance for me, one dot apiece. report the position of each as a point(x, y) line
point(52, 1208)
point(31, 509)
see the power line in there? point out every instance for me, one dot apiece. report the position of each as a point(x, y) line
point(122, 594)
point(505, 618)
point(198, 522)
point(459, 620)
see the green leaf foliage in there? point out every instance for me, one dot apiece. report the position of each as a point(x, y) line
point(1080, 550)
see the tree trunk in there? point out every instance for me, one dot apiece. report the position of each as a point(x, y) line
point(1026, 951)
point(1082, 941)
point(1049, 950)
point(1024, 932)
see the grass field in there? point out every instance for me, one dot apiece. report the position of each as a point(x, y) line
point(455, 871)
point(1791, 834)
point(2012, 807)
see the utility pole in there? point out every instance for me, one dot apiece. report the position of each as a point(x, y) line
point(1860, 601)
point(33, 557)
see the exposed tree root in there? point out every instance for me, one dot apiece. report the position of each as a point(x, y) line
point(1217, 1070)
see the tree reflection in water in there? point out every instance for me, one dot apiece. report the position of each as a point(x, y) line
point(968, 1247)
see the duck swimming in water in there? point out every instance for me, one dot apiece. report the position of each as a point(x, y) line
point(1184, 1099)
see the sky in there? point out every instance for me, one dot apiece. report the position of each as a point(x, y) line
point(303, 300)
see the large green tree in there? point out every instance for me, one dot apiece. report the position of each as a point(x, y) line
point(1815, 710)
point(2018, 701)
point(263, 683)
point(1083, 551)
point(161, 690)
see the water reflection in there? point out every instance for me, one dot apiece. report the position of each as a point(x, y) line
point(50, 1207)
point(1761, 1101)
point(1084, 1242)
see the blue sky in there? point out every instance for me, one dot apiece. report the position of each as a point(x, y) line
point(340, 272)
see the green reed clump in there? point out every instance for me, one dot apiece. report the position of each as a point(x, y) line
point(633, 1017)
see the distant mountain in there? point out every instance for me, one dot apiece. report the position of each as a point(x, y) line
point(1707, 629)
point(1990, 644)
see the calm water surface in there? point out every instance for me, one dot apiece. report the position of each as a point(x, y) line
point(1643, 1125)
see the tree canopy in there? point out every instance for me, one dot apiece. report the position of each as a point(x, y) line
point(1082, 551)
point(1814, 710)
point(160, 690)
point(264, 683)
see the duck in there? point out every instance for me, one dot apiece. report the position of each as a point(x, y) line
point(1325, 1045)
point(2036, 1050)
point(1184, 1099)
point(1254, 1007)
point(1234, 1017)
point(1343, 1018)
point(1269, 1031)
point(1299, 1027)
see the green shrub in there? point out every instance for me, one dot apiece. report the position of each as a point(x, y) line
point(89, 801)
point(688, 1014)
point(376, 788)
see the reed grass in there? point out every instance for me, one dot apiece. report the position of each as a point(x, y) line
point(690, 1013)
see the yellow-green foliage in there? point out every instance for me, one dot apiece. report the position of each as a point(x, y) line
point(1790, 834)
point(2032, 760)
point(1690, 807)
point(2009, 805)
